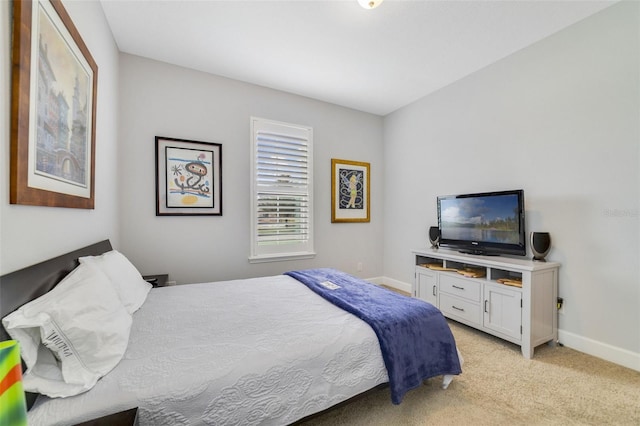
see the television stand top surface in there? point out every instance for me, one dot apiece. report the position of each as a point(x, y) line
point(499, 261)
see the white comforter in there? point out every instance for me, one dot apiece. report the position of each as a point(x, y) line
point(257, 351)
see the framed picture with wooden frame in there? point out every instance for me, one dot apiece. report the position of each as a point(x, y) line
point(53, 109)
point(350, 184)
point(188, 177)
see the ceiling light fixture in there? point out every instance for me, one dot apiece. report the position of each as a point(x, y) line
point(370, 4)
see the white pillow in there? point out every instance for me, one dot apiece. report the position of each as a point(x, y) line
point(128, 282)
point(71, 336)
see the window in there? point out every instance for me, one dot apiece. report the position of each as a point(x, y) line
point(281, 193)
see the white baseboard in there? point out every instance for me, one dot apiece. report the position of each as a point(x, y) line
point(391, 283)
point(588, 346)
point(605, 351)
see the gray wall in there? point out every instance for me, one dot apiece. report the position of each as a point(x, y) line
point(560, 120)
point(30, 234)
point(158, 99)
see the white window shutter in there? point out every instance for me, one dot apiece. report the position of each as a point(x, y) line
point(281, 196)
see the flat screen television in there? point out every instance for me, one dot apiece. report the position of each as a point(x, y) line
point(488, 223)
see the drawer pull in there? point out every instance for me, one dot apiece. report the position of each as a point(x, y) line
point(457, 309)
point(459, 288)
point(434, 290)
point(485, 306)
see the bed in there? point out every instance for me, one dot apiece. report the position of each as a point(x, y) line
point(269, 350)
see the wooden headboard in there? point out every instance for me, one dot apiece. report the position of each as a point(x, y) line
point(25, 285)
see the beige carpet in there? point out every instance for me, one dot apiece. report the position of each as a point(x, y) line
point(559, 386)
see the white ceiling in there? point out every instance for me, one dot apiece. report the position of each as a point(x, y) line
point(333, 50)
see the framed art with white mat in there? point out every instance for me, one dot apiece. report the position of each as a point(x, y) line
point(188, 177)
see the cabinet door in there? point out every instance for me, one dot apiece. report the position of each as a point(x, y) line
point(503, 310)
point(427, 286)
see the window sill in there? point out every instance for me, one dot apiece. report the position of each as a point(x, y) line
point(281, 257)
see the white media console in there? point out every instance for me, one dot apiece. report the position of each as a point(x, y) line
point(525, 315)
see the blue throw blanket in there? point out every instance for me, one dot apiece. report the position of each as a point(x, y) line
point(415, 340)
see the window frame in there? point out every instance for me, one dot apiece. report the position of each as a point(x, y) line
point(280, 252)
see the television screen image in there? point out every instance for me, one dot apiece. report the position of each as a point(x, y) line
point(483, 223)
point(491, 219)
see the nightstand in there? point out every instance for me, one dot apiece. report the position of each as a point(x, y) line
point(157, 280)
point(123, 418)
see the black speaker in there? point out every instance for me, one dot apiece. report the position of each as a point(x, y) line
point(434, 236)
point(540, 245)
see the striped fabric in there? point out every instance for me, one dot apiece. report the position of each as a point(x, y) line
point(13, 409)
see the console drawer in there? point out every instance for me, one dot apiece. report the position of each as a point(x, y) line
point(455, 307)
point(461, 287)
